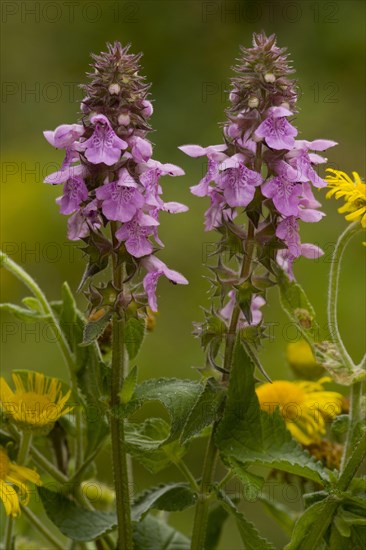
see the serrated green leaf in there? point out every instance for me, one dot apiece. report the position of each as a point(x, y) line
point(94, 329)
point(153, 534)
point(172, 498)
point(250, 435)
point(252, 483)
point(74, 522)
point(134, 335)
point(177, 396)
point(129, 385)
point(204, 411)
point(216, 519)
point(24, 314)
point(145, 442)
point(250, 536)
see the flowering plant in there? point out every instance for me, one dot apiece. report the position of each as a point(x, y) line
point(260, 183)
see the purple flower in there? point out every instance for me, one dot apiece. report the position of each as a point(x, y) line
point(277, 132)
point(149, 178)
point(65, 173)
point(238, 182)
point(148, 109)
point(64, 135)
point(257, 303)
point(119, 202)
point(156, 268)
point(215, 155)
point(75, 192)
point(135, 233)
point(285, 195)
point(141, 149)
point(217, 211)
point(308, 205)
point(80, 223)
point(301, 161)
point(288, 231)
point(104, 145)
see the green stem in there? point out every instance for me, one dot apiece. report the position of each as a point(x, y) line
point(117, 423)
point(25, 443)
point(353, 423)
point(183, 468)
point(244, 274)
point(8, 532)
point(39, 525)
point(225, 479)
point(68, 355)
point(78, 474)
point(334, 276)
point(41, 461)
point(202, 506)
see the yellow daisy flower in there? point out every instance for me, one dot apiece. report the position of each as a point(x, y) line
point(305, 406)
point(35, 406)
point(12, 474)
point(352, 191)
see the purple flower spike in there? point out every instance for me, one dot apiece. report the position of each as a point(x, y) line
point(75, 192)
point(119, 202)
point(156, 268)
point(277, 132)
point(135, 233)
point(104, 145)
point(238, 182)
point(64, 135)
point(285, 195)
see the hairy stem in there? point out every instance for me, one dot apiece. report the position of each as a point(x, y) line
point(334, 276)
point(117, 423)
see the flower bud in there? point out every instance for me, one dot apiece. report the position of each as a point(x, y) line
point(253, 102)
point(114, 89)
point(148, 109)
point(124, 119)
point(269, 77)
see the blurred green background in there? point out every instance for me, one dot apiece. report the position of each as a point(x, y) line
point(189, 47)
